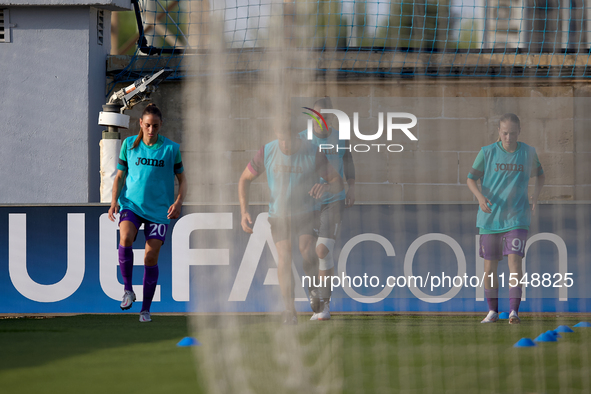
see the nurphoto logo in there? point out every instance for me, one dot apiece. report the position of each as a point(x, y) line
point(344, 129)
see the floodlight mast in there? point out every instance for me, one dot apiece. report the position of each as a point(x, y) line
point(112, 116)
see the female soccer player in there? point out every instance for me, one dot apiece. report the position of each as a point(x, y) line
point(144, 191)
point(293, 169)
point(504, 168)
point(333, 204)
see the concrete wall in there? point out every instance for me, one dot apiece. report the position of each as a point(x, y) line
point(46, 105)
point(456, 118)
point(52, 87)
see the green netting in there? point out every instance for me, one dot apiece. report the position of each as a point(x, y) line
point(467, 38)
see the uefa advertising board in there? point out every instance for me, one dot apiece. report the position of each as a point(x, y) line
point(397, 257)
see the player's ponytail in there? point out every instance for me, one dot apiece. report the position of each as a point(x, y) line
point(511, 118)
point(151, 109)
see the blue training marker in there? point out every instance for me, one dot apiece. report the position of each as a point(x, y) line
point(503, 315)
point(545, 337)
point(564, 329)
point(525, 342)
point(188, 341)
point(583, 324)
point(554, 333)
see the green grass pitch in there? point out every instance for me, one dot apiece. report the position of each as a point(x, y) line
point(255, 353)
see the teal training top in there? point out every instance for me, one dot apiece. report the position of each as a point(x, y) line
point(290, 177)
point(334, 156)
point(505, 178)
point(148, 190)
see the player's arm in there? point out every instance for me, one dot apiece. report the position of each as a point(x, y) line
point(174, 211)
point(326, 171)
point(476, 173)
point(538, 172)
point(349, 171)
point(119, 181)
point(250, 173)
point(540, 180)
point(243, 196)
point(482, 201)
point(117, 187)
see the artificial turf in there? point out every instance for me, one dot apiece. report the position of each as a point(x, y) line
point(95, 354)
point(256, 354)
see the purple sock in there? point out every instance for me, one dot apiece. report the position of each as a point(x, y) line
point(150, 281)
point(514, 298)
point(126, 265)
point(492, 298)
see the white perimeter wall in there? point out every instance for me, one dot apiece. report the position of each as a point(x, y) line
point(52, 86)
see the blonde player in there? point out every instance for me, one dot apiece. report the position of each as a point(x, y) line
point(504, 169)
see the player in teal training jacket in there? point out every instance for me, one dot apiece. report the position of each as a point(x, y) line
point(293, 168)
point(504, 213)
point(144, 192)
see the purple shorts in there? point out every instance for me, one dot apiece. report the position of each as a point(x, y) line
point(151, 230)
point(495, 246)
